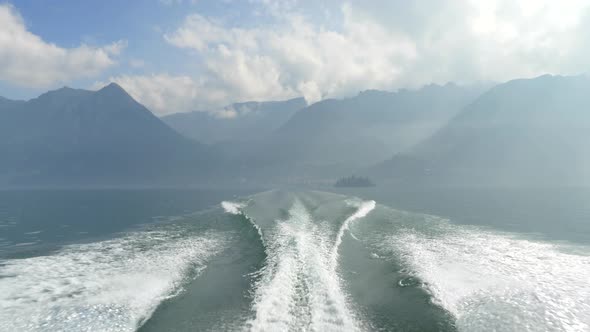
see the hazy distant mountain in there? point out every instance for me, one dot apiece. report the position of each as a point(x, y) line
point(70, 136)
point(524, 132)
point(8, 104)
point(338, 135)
point(237, 122)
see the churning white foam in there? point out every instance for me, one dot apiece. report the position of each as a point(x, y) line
point(232, 207)
point(111, 285)
point(500, 282)
point(299, 288)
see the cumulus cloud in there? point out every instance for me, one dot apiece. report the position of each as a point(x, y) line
point(292, 49)
point(165, 93)
point(295, 57)
point(28, 60)
point(496, 40)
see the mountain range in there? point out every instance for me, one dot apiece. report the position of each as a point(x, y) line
point(345, 134)
point(522, 132)
point(72, 136)
point(239, 122)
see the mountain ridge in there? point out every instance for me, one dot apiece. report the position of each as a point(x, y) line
point(522, 132)
point(105, 136)
point(236, 122)
point(341, 135)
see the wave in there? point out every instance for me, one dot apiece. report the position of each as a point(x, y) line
point(299, 288)
point(237, 208)
point(112, 285)
point(497, 281)
point(363, 210)
point(232, 207)
point(309, 274)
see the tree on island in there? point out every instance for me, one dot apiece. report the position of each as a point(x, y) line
point(354, 181)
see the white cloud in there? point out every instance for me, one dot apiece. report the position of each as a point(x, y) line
point(165, 94)
point(496, 40)
point(226, 113)
point(295, 57)
point(28, 60)
point(295, 48)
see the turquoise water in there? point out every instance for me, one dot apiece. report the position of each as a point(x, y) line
point(291, 261)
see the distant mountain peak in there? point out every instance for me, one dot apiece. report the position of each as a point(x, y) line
point(63, 89)
point(63, 93)
point(241, 121)
point(113, 88)
point(113, 85)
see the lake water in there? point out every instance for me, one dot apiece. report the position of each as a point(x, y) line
point(360, 260)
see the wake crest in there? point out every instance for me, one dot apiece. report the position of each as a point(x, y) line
point(299, 287)
point(232, 207)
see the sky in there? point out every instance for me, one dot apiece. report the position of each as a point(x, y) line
point(188, 55)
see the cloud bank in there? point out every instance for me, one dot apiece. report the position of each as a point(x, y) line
point(27, 60)
point(165, 94)
point(279, 49)
point(371, 44)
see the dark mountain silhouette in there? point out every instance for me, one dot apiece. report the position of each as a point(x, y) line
point(71, 136)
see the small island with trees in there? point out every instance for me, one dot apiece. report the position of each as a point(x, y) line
point(354, 181)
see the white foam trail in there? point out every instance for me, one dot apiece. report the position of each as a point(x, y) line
point(364, 208)
point(232, 207)
point(112, 285)
point(299, 289)
point(237, 209)
point(24, 244)
point(496, 281)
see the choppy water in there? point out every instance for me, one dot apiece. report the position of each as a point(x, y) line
point(292, 261)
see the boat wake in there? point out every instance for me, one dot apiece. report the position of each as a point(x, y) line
point(495, 281)
point(281, 261)
point(299, 287)
point(112, 285)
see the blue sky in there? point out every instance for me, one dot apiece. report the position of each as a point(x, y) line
point(183, 55)
point(69, 23)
